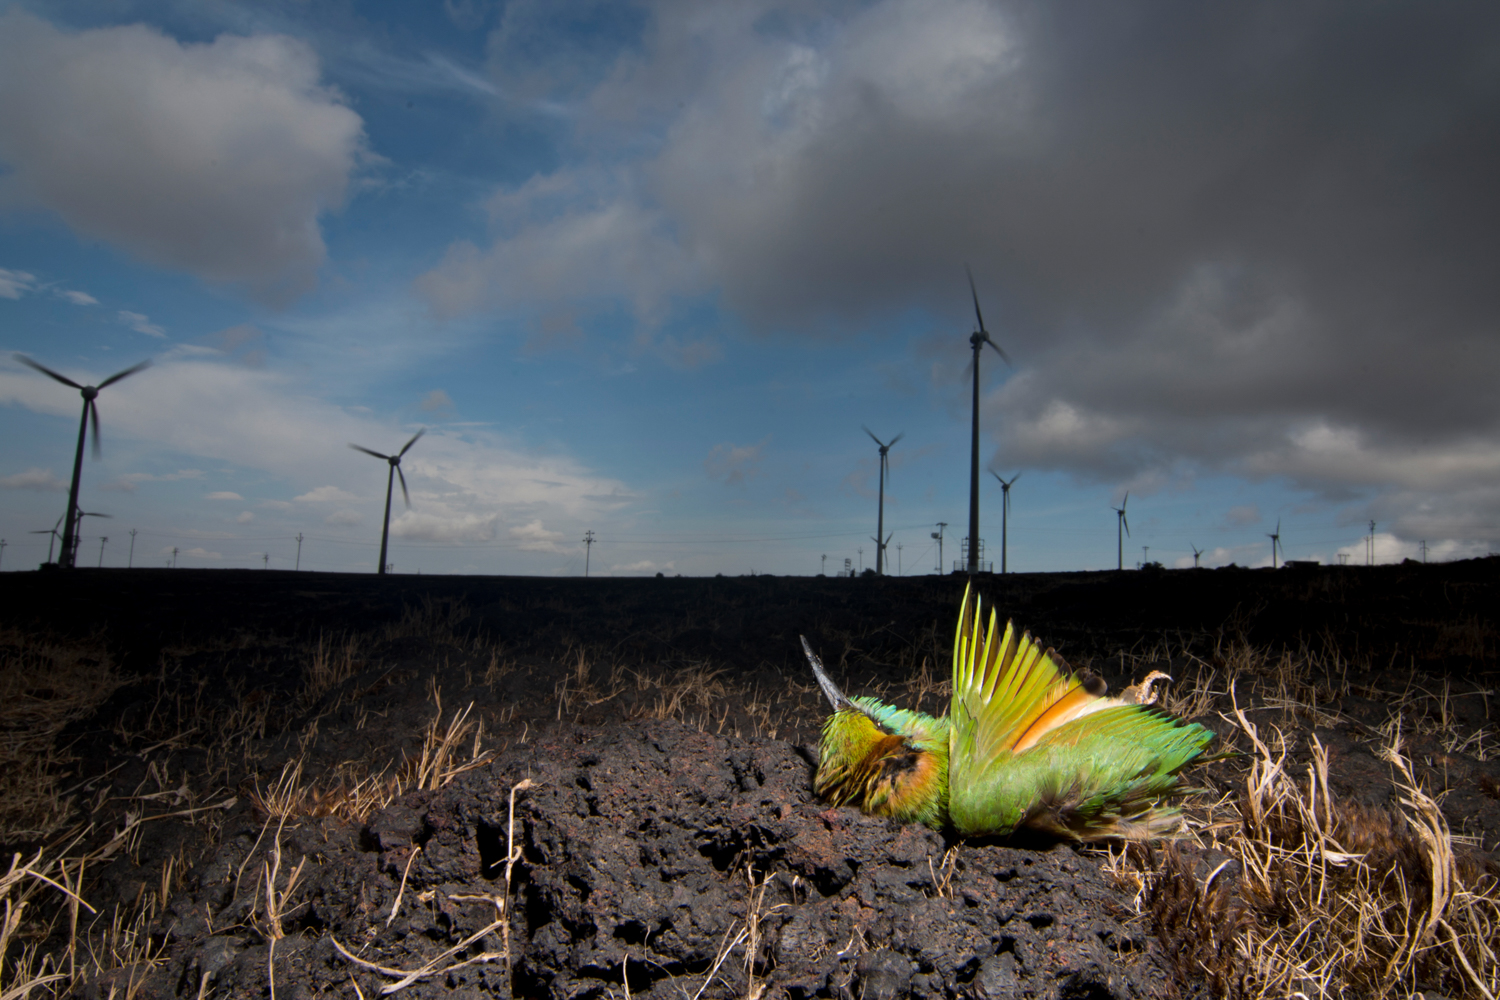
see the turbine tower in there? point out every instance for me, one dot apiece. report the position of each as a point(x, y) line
point(395, 463)
point(69, 540)
point(1004, 513)
point(1121, 530)
point(977, 340)
point(885, 470)
point(1275, 537)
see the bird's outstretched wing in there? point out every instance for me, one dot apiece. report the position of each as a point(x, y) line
point(1009, 692)
point(1034, 743)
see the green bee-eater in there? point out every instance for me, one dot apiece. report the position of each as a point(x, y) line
point(1026, 743)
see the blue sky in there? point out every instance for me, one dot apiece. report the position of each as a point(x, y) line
point(646, 270)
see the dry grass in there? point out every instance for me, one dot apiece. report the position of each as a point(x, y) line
point(1331, 899)
point(45, 684)
point(1319, 897)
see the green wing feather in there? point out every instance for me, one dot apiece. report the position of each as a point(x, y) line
point(1031, 745)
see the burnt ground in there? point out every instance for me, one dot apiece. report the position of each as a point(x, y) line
point(276, 784)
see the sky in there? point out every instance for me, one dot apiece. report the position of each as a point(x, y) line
point(646, 271)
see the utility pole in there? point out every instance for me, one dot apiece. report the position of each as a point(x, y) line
point(588, 547)
point(102, 540)
point(1424, 549)
point(938, 534)
point(1145, 554)
point(2, 549)
point(898, 558)
point(861, 551)
point(1371, 561)
point(130, 563)
point(265, 560)
point(174, 557)
point(823, 571)
point(299, 552)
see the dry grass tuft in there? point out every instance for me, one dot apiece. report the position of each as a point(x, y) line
point(439, 762)
point(45, 684)
point(1325, 898)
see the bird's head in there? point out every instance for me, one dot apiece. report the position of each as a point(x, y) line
point(885, 760)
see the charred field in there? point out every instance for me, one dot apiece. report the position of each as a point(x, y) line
point(240, 784)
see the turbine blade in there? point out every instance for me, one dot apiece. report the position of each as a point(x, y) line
point(46, 371)
point(125, 374)
point(1126, 500)
point(1126, 523)
point(898, 437)
point(872, 435)
point(367, 451)
point(974, 292)
point(411, 442)
point(94, 417)
point(404, 495)
point(1003, 356)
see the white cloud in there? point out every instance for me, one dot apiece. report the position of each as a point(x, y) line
point(244, 517)
point(128, 482)
point(188, 404)
point(78, 298)
point(734, 463)
point(32, 479)
point(425, 527)
point(626, 249)
point(141, 323)
point(437, 401)
point(327, 494)
point(216, 158)
point(644, 566)
point(224, 495)
point(344, 517)
point(536, 538)
point(14, 284)
point(198, 552)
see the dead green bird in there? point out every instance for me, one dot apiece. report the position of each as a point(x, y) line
point(1027, 743)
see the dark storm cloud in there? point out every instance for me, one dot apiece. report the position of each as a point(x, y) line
point(1253, 238)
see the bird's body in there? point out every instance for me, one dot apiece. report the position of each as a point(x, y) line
point(1026, 743)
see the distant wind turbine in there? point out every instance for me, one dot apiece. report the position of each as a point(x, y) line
point(1004, 513)
point(53, 532)
point(78, 532)
point(881, 539)
point(1196, 553)
point(977, 340)
point(390, 481)
point(69, 544)
point(1275, 537)
point(1122, 529)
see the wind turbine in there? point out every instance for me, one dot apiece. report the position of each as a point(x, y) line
point(885, 470)
point(69, 546)
point(1004, 512)
point(50, 531)
point(1122, 529)
point(977, 340)
point(1275, 537)
point(1196, 553)
point(390, 481)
